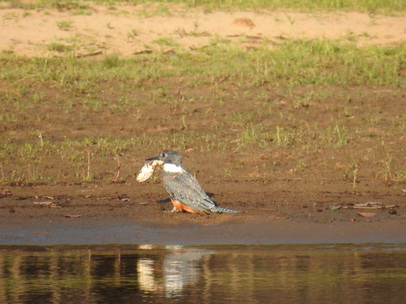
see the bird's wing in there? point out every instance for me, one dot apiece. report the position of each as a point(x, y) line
point(186, 189)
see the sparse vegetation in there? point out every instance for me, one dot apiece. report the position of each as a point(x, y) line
point(65, 25)
point(59, 47)
point(166, 41)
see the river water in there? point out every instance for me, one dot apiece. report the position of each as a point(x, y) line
point(336, 273)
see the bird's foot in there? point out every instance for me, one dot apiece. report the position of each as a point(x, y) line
point(174, 210)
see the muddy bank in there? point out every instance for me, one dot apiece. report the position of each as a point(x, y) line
point(139, 214)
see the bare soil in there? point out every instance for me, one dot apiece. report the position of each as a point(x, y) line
point(295, 202)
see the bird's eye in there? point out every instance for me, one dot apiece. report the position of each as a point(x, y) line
point(163, 154)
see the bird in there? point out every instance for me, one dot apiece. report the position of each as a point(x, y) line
point(183, 188)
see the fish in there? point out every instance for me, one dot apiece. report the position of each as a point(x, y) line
point(148, 170)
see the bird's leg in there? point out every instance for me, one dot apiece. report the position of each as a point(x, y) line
point(177, 206)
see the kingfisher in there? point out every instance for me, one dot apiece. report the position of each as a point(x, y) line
point(183, 188)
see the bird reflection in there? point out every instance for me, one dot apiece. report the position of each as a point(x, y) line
point(179, 268)
point(145, 270)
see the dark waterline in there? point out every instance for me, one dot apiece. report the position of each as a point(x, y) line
point(328, 273)
point(126, 231)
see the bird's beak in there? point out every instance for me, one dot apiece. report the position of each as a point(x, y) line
point(152, 158)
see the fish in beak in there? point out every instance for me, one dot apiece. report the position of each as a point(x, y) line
point(151, 165)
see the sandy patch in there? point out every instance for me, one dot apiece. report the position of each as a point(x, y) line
point(126, 30)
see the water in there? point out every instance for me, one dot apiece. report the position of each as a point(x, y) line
point(210, 274)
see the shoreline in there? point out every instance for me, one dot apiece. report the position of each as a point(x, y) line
point(257, 231)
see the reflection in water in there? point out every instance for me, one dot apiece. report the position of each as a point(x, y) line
point(181, 269)
point(178, 269)
point(221, 274)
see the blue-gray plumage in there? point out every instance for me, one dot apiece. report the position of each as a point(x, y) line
point(184, 190)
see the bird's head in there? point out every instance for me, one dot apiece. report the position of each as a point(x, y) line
point(168, 157)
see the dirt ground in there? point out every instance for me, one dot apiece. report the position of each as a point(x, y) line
point(315, 203)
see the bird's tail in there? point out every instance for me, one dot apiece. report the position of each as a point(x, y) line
point(217, 209)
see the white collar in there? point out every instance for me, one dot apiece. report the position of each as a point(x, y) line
point(172, 168)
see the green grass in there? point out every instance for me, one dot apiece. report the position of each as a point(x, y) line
point(69, 118)
point(298, 62)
